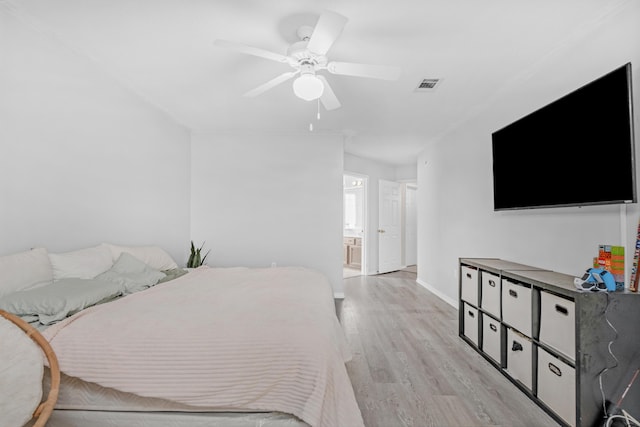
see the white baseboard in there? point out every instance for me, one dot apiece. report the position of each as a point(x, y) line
point(437, 293)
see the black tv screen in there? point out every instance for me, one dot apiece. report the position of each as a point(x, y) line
point(576, 151)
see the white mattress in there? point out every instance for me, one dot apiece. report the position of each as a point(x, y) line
point(82, 404)
point(71, 418)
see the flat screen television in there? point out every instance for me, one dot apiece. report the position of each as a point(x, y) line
point(576, 151)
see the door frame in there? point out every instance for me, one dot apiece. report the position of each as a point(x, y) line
point(365, 219)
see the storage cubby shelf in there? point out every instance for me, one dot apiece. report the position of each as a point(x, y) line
point(552, 339)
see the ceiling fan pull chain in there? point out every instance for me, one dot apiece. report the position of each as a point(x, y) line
point(318, 109)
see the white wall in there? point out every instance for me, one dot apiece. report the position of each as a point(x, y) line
point(262, 198)
point(83, 160)
point(455, 208)
point(406, 173)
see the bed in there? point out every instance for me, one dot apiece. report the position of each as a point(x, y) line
point(229, 347)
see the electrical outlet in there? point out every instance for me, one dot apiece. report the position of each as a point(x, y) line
point(273, 264)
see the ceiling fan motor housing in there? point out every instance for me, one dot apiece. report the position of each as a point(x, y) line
point(299, 52)
point(304, 32)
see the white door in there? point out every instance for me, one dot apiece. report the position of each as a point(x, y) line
point(389, 227)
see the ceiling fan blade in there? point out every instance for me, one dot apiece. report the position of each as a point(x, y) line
point(383, 72)
point(256, 51)
point(328, 98)
point(270, 84)
point(327, 30)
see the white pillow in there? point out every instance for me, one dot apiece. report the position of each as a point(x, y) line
point(154, 256)
point(25, 270)
point(81, 264)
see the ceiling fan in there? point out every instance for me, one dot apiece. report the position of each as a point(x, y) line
point(308, 56)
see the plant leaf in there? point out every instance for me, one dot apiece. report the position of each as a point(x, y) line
point(205, 256)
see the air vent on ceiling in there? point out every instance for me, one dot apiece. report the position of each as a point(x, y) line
point(428, 85)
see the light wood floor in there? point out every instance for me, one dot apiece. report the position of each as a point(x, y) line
point(350, 272)
point(410, 367)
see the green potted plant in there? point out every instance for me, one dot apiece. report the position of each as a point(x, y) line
point(195, 258)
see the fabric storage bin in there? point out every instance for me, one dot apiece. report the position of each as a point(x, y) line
point(516, 306)
point(491, 337)
point(557, 323)
point(557, 385)
point(519, 358)
point(469, 285)
point(471, 323)
point(490, 300)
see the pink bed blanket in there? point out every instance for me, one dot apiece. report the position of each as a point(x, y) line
point(229, 338)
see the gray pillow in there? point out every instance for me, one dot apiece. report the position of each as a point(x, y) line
point(171, 274)
point(132, 274)
point(61, 299)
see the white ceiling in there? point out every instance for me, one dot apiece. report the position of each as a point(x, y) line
point(163, 50)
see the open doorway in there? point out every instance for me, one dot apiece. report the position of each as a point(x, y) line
point(354, 220)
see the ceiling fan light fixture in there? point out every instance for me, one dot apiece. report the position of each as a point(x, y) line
point(308, 87)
